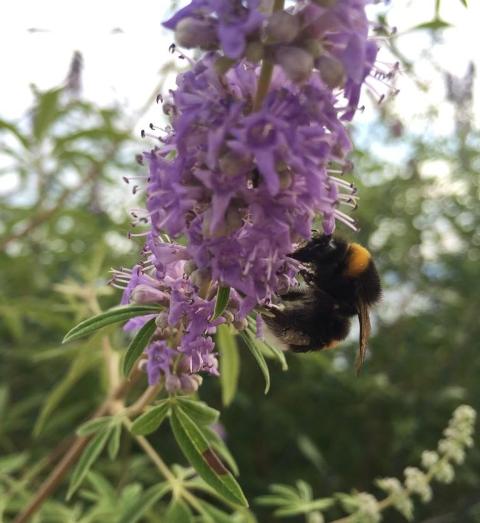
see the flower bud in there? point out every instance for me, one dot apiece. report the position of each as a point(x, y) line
point(195, 32)
point(199, 278)
point(314, 47)
point(282, 28)
point(331, 71)
point(233, 163)
point(189, 267)
point(172, 383)
point(161, 321)
point(189, 384)
point(240, 325)
point(296, 62)
point(146, 294)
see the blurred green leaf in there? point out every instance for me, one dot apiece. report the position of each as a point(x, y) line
point(114, 441)
point(137, 345)
point(223, 295)
point(229, 362)
point(433, 25)
point(83, 361)
point(259, 358)
point(115, 315)
point(178, 512)
point(87, 459)
point(152, 419)
point(201, 456)
point(144, 503)
point(46, 112)
point(218, 516)
point(277, 353)
point(12, 463)
point(15, 131)
point(94, 425)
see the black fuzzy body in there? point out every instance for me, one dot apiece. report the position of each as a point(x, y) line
point(317, 315)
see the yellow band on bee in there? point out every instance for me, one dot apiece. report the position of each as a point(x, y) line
point(357, 261)
point(331, 345)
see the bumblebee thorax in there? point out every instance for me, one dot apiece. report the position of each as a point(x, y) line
point(357, 261)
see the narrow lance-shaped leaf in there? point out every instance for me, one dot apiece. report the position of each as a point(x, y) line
point(144, 503)
point(201, 456)
point(219, 446)
point(199, 411)
point(151, 420)
point(229, 362)
point(277, 353)
point(137, 345)
point(114, 441)
point(94, 425)
point(223, 295)
point(178, 512)
point(257, 354)
point(87, 459)
point(114, 315)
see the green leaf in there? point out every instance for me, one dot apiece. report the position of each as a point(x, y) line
point(433, 25)
point(229, 362)
point(201, 456)
point(46, 112)
point(199, 411)
point(144, 503)
point(277, 353)
point(178, 512)
point(464, 2)
point(87, 459)
point(138, 345)
point(114, 441)
point(12, 463)
point(151, 420)
point(223, 295)
point(94, 425)
point(219, 446)
point(114, 315)
point(80, 365)
point(218, 516)
point(257, 354)
point(13, 129)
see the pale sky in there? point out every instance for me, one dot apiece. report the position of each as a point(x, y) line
point(124, 66)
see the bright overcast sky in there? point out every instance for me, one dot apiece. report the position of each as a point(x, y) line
point(124, 65)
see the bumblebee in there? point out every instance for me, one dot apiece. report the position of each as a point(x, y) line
point(341, 281)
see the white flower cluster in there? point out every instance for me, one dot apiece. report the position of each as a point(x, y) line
point(363, 507)
point(417, 482)
point(451, 448)
point(437, 466)
point(398, 495)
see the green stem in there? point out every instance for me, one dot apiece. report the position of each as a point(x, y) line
point(266, 70)
point(178, 488)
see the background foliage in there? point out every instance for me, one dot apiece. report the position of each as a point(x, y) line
point(62, 230)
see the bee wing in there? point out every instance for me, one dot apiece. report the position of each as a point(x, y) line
point(365, 329)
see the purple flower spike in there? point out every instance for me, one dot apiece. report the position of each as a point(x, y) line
point(232, 20)
point(234, 185)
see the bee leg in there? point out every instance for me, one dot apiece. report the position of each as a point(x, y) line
point(294, 337)
point(293, 295)
point(308, 276)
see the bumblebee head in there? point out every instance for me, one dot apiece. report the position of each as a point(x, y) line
point(322, 250)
